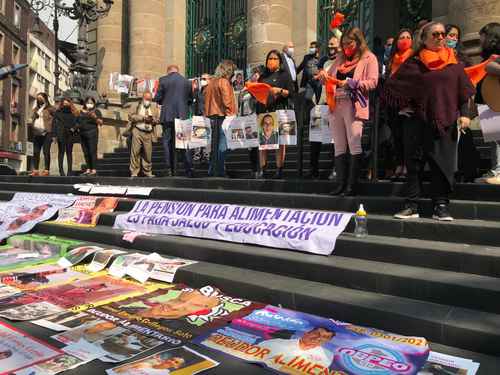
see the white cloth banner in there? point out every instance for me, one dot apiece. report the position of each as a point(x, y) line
point(241, 132)
point(319, 125)
point(304, 230)
point(26, 210)
point(490, 123)
point(287, 127)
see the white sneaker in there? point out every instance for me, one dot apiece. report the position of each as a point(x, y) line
point(493, 180)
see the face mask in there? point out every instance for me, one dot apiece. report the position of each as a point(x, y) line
point(451, 43)
point(290, 52)
point(67, 108)
point(404, 45)
point(203, 83)
point(89, 105)
point(312, 51)
point(349, 51)
point(273, 65)
point(146, 103)
point(332, 51)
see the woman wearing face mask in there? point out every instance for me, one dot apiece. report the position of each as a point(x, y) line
point(454, 41)
point(433, 87)
point(89, 121)
point(356, 67)
point(401, 51)
point(42, 133)
point(281, 91)
point(64, 124)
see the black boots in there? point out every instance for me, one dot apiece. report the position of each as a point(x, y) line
point(279, 174)
point(341, 168)
point(347, 180)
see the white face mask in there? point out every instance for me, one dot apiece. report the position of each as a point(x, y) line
point(146, 103)
point(89, 105)
point(290, 52)
point(203, 82)
point(312, 51)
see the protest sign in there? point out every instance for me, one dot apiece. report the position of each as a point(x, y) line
point(31, 311)
point(183, 130)
point(7, 291)
point(291, 342)
point(241, 132)
point(490, 123)
point(80, 295)
point(77, 255)
point(86, 210)
point(287, 127)
point(156, 267)
point(102, 258)
point(200, 132)
point(438, 364)
point(25, 210)
point(268, 129)
point(53, 366)
point(319, 125)
point(43, 276)
point(23, 253)
point(119, 267)
point(18, 350)
point(178, 361)
point(179, 312)
point(108, 342)
point(64, 321)
point(296, 229)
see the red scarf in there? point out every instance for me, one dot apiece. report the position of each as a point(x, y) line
point(348, 66)
point(437, 60)
point(399, 58)
point(260, 91)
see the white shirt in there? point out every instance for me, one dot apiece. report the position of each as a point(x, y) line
point(291, 349)
point(291, 66)
point(38, 124)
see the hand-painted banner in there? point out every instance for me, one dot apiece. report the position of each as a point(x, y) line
point(86, 210)
point(291, 342)
point(305, 230)
point(26, 210)
point(176, 314)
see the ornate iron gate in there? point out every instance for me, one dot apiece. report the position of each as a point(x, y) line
point(216, 30)
point(358, 13)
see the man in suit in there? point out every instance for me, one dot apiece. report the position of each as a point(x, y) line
point(290, 66)
point(174, 94)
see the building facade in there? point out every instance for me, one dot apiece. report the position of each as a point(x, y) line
point(142, 37)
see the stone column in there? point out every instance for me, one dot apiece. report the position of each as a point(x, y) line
point(304, 28)
point(176, 33)
point(148, 38)
point(269, 26)
point(472, 15)
point(109, 47)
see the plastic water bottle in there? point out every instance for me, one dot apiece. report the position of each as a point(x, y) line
point(361, 229)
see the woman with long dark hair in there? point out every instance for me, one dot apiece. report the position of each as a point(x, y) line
point(41, 121)
point(355, 71)
point(282, 89)
point(89, 121)
point(434, 88)
point(65, 121)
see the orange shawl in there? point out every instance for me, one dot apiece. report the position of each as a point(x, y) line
point(437, 60)
point(477, 72)
point(399, 59)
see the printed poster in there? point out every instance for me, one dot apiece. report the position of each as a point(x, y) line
point(238, 80)
point(200, 132)
point(180, 313)
point(19, 350)
point(101, 259)
point(107, 341)
point(178, 361)
point(156, 267)
point(43, 276)
point(268, 131)
point(319, 125)
point(291, 342)
point(13, 257)
point(77, 255)
point(287, 127)
point(80, 295)
point(296, 229)
point(182, 133)
point(64, 321)
point(26, 210)
point(241, 132)
point(120, 265)
point(86, 211)
point(442, 364)
point(31, 311)
point(53, 366)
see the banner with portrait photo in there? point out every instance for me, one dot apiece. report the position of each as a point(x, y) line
point(291, 342)
point(25, 210)
point(177, 314)
point(86, 211)
point(296, 229)
point(287, 127)
point(319, 125)
point(19, 350)
point(178, 361)
point(200, 132)
point(241, 132)
point(268, 128)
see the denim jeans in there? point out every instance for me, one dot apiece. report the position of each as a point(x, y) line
point(218, 148)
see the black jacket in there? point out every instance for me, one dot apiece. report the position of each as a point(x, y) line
point(174, 95)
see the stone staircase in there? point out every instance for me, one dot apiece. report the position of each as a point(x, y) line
point(437, 280)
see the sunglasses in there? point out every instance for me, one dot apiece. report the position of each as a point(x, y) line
point(437, 34)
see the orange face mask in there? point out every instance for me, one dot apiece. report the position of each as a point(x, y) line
point(273, 65)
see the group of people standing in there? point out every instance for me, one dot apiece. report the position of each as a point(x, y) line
point(65, 125)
